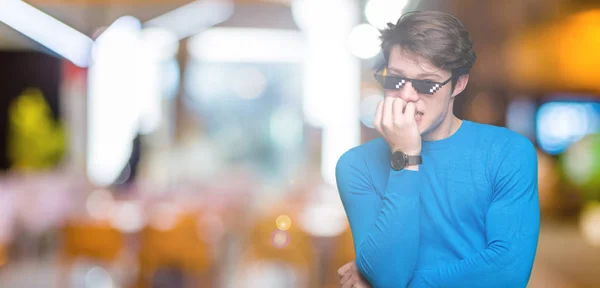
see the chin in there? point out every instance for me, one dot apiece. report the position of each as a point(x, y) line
point(423, 127)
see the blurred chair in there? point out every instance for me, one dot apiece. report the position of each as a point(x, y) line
point(286, 255)
point(95, 240)
point(179, 249)
point(90, 240)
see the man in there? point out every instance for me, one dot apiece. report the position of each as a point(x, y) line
point(437, 201)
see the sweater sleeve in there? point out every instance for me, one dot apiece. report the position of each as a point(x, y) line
point(512, 229)
point(385, 226)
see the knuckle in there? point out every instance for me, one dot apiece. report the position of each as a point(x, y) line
point(386, 124)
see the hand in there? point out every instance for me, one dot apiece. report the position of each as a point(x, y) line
point(395, 121)
point(350, 277)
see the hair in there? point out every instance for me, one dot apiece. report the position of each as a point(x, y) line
point(436, 36)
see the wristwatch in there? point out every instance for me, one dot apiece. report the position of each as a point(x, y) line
point(401, 160)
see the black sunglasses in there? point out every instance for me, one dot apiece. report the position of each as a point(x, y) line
point(391, 82)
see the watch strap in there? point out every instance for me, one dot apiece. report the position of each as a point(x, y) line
point(414, 160)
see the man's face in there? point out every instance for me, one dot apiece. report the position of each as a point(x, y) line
point(431, 109)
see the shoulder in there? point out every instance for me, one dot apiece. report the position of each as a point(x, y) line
point(501, 140)
point(511, 163)
point(360, 156)
point(508, 152)
point(356, 167)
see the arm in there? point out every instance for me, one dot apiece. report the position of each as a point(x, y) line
point(385, 227)
point(512, 228)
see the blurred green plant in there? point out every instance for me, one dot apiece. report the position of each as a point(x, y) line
point(35, 140)
point(581, 166)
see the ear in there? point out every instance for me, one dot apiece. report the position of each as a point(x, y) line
point(461, 84)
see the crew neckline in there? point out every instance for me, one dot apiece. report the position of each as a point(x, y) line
point(449, 141)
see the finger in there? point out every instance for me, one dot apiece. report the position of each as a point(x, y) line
point(410, 111)
point(346, 277)
point(342, 271)
point(388, 115)
point(378, 116)
point(398, 109)
point(350, 283)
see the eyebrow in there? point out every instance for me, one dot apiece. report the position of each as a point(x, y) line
point(420, 76)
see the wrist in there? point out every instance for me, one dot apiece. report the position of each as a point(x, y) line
point(413, 152)
point(412, 167)
point(410, 152)
point(400, 160)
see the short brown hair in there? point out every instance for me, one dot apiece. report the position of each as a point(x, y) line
point(436, 36)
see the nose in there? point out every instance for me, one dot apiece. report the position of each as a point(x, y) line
point(408, 93)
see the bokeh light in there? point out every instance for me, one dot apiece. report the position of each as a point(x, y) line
point(520, 117)
point(381, 12)
point(268, 274)
point(323, 219)
point(559, 124)
point(590, 223)
point(364, 41)
point(581, 164)
point(164, 216)
point(128, 217)
point(283, 222)
point(98, 277)
point(99, 204)
point(280, 239)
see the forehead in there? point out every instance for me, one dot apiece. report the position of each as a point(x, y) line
point(411, 63)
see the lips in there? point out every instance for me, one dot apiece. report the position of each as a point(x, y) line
point(418, 116)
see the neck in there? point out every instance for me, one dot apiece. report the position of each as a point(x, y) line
point(445, 129)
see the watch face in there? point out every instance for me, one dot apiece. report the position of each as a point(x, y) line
point(398, 160)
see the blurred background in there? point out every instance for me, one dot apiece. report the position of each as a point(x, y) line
point(178, 143)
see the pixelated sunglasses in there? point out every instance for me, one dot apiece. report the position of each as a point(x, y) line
point(392, 82)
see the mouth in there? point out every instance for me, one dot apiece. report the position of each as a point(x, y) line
point(418, 116)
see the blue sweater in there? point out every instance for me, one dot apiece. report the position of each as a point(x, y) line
point(468, 218)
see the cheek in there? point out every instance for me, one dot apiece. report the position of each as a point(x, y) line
point(438, 102)
point(432, 107)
